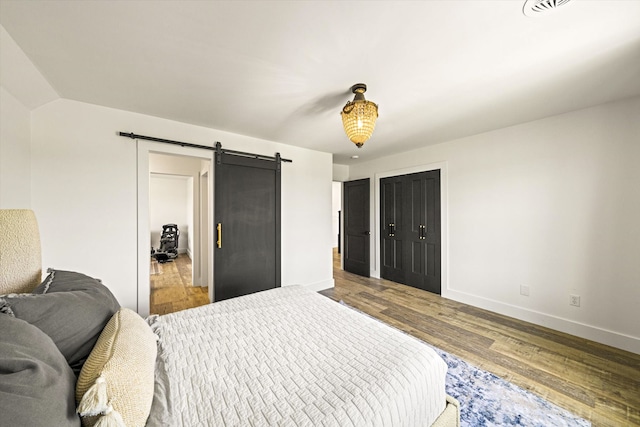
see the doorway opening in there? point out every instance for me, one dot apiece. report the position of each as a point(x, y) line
point(172, 212)
point(176, 201)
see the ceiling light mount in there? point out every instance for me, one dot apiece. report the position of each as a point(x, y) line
point(359, 116)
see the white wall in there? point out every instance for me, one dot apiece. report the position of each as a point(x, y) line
point(84, 193)
point(15, 152)
point(22, 88)
point(170, 202)
point(553, 204)
point(340, 172)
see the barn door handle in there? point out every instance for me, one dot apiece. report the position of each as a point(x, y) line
point(422, 232)
point(392, 230)
point(219, 228)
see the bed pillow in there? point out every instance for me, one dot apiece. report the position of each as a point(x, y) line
point(69, 307)
point(36, 383)
point(65, 281)
point(117, 380)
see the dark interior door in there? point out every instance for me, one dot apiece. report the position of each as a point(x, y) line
point(391, 228)
point(356, 227)
point(431, 239)
point(247, 220)
point(410, 251)
point(422, 234)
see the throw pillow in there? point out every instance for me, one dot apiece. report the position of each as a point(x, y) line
point(69, 307)
point(117, 380)
point(36, 383)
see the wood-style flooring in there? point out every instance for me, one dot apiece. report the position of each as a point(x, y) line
point(172, 288)
point(593, 381)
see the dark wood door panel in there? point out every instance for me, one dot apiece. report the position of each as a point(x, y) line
point(356, 227)
point(356, 248)
point(247, 210)
point(432, 233)
point(415, 203)
point(391, 227)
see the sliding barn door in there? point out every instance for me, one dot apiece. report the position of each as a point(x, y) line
point(247, 226)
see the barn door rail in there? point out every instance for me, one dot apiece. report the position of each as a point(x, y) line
point(217, 148)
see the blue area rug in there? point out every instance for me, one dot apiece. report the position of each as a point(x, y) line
point(488, 400)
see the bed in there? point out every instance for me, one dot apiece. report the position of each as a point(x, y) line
point(286, 356)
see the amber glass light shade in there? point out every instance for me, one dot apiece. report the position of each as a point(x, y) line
point(359, 116)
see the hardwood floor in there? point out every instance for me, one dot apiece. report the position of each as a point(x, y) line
point(171, 287)
point(594, 381)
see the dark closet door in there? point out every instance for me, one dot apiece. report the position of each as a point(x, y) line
point(422, 231)
point(391, 228)
point(432, 233)
point(410, 250)
point(247, 220)
point(356, 227)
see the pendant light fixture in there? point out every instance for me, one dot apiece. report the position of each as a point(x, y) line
point(359, 116)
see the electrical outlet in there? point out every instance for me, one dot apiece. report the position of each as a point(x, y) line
point(524, 290)
point(574, 300)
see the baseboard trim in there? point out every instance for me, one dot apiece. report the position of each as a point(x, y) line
point(593, 333)
point(320, 286)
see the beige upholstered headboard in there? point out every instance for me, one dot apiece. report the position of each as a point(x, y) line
point(20, 256)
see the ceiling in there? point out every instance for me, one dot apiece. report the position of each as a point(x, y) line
point(281, 70)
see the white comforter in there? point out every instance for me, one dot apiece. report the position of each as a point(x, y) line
point(291, 357)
